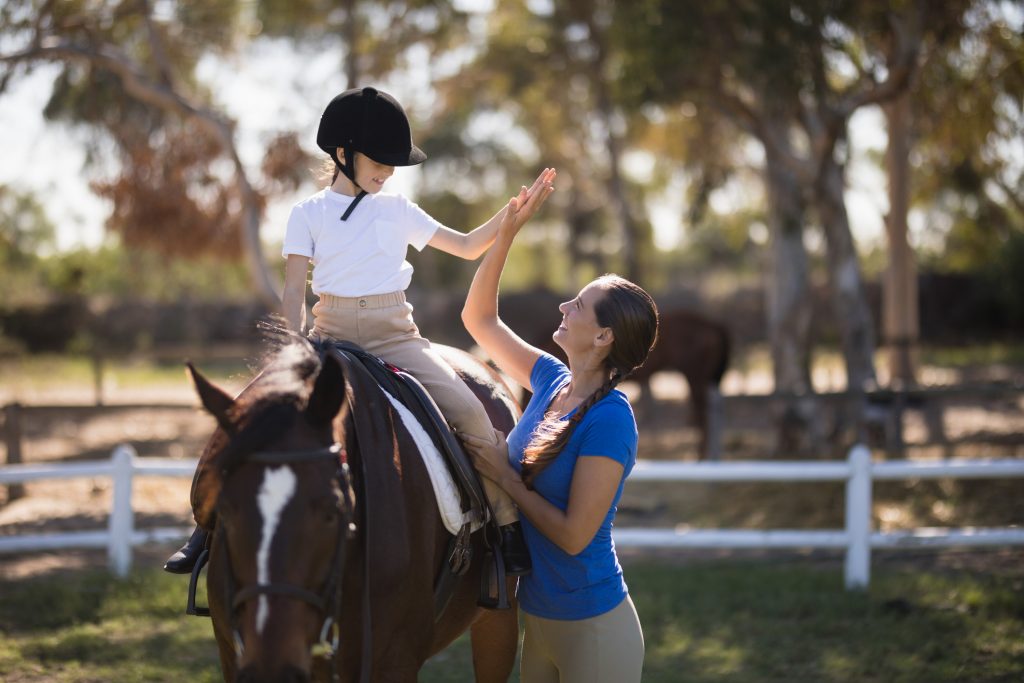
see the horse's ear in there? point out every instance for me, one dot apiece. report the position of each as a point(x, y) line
point(328, 392)
point(214, 400)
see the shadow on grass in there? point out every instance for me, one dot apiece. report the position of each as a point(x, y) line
point(757, 622)
point(729, 621)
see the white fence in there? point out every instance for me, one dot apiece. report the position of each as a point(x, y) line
point(120, 535)
point(858, 471)
point(857, 537)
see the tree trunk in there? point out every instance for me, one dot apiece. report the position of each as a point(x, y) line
point(789, 303)
point(899, 303)
point(846, 285)
point(628, 227)
point(617, 192)
point(789, 312)
point(351, 32)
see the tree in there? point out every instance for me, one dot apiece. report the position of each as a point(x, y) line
point(968, 116)
point(548, 74)
point(791, 75)
point(25, 231)
point(130, 74)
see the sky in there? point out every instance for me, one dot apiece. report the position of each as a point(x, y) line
point(267, 89)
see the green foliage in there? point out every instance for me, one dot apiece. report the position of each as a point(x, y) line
point(25, 234)
point(525, 85)
point(970, 120)
point(114, 272)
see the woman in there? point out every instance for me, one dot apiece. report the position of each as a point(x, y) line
point(565, 463)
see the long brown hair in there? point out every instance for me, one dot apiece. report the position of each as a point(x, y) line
point(632, 316)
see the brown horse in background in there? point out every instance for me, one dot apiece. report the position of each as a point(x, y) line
point(327, 536)
point(697, 347)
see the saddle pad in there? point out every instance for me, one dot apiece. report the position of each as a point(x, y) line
point(448, 501)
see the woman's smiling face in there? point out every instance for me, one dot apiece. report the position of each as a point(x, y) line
point(579, 324)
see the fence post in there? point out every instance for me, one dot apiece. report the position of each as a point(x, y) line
point(12, 439)
point(858, 518)
point(122, 522)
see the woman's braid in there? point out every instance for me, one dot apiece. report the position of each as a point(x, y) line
point(553, 433)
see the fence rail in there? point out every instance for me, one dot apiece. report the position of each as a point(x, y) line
point(858, 471)
point(121, 534)
point(857, 537)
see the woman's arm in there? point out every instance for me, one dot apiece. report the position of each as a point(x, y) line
point(513, 355)
point(293, 300)
point(595, 481)
point(472, 244)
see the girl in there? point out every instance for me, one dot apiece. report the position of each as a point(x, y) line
point(564, 465)
point(356, 237)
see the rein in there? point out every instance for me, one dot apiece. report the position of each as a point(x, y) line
point(328, 601)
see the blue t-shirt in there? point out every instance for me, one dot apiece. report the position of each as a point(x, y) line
point(564, 586)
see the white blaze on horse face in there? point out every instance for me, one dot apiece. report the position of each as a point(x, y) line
point(276, 490)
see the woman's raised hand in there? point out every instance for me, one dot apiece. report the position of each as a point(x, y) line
point(520, 208)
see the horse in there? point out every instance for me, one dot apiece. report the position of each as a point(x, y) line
point(326, 533)
point(696, 346)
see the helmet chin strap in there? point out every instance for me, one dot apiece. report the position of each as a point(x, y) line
point(349, 171)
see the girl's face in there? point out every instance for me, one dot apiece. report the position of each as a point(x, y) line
point(579, 329)
point(370, 175)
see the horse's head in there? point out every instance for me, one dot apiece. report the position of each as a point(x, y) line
point(284, 511)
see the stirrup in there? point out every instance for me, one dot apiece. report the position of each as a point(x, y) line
point(190, 606)
point(486, 600)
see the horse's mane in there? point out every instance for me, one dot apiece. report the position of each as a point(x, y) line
point(268, 406)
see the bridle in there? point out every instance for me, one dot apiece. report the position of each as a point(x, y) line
point(327, 601)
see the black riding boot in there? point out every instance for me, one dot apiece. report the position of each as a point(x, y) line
point(513, 550)
point(184, 560)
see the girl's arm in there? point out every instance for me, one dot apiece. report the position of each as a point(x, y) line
point(594, 483)
point(513, 355)
point(472, 244)
point(293, 300)
point(469, 245)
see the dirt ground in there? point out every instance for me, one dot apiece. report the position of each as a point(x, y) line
point(991, 427)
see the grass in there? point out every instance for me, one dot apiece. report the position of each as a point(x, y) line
point(746, 621)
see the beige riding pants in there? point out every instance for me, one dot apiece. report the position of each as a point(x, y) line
point(382, 324)
point(608, 648)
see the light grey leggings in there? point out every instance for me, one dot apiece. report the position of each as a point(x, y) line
point(608, 648)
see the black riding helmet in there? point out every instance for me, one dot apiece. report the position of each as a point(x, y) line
point(368, 121)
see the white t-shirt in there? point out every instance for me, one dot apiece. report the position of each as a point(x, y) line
point(364, 254)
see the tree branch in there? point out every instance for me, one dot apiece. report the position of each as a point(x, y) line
point(156, 42)
point(141, 87)
point(907, 35)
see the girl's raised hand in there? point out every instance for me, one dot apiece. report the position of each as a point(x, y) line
point(522, 207)
point(546, 176)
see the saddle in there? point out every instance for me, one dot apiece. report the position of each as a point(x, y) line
point(408, 391)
